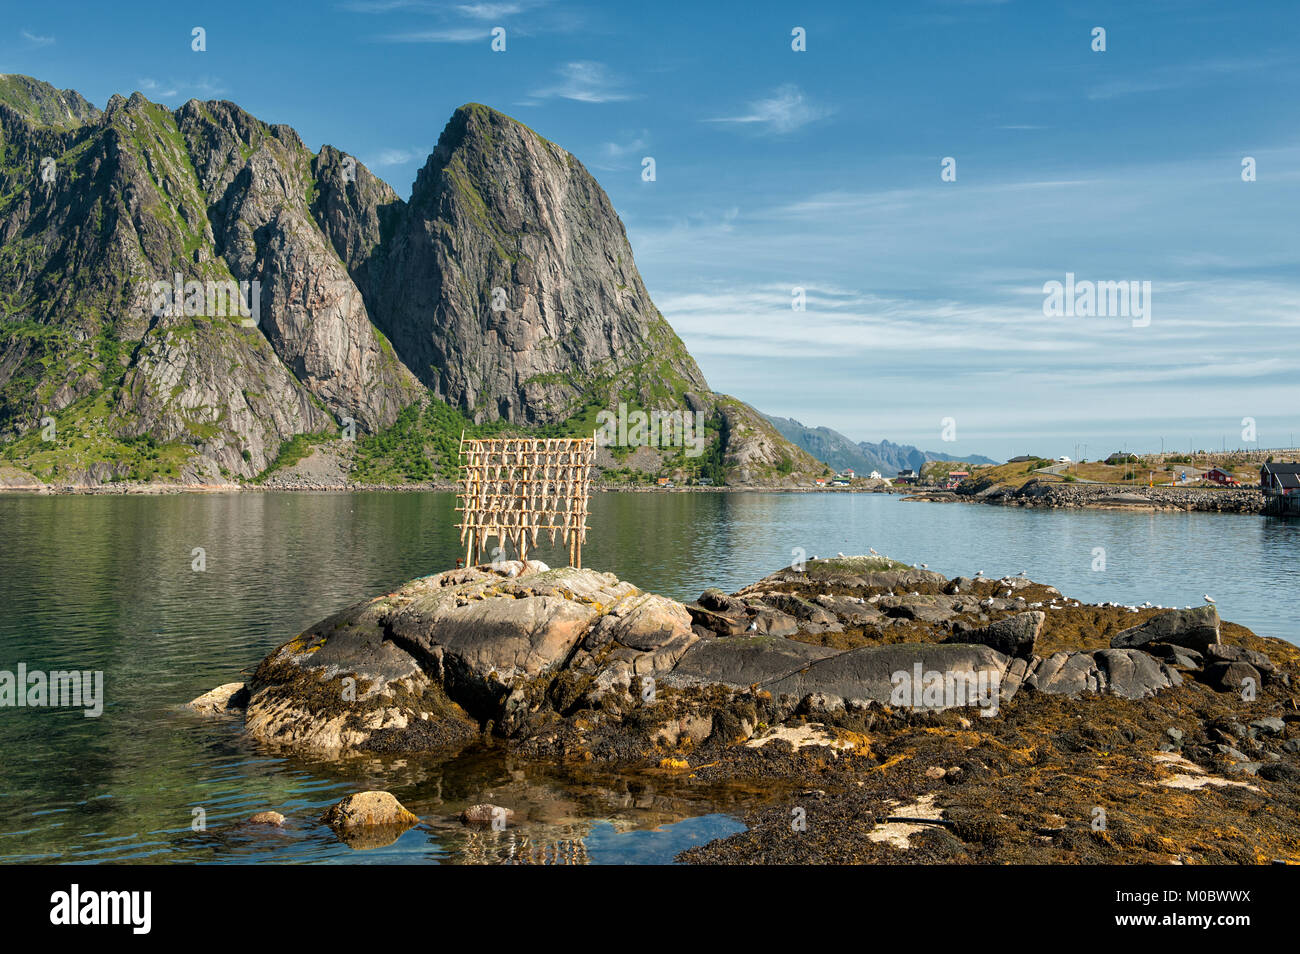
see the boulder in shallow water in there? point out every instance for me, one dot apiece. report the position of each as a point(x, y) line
point(368, 810)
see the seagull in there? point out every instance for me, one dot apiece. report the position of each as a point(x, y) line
point(1209, 598)
point(1024, 573)
point(753, 626)
point(979, 572)
point(925, 566)
point(872, 552)
point(840, 555)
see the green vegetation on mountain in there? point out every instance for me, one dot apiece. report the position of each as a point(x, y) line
point(194, 295)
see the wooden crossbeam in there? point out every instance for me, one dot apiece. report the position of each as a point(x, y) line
point(515, 489)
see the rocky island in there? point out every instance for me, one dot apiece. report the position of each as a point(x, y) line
point(891, 714)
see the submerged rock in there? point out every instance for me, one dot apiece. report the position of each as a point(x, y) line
point(487, 815)
point(230, 697)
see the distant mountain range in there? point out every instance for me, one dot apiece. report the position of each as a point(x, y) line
point(842, 453)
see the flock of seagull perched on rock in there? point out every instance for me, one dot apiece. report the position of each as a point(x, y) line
point(1022, 575)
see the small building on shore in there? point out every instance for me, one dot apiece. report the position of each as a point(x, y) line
point(1281, 485)
point(1280, 478)
point(1219, 476)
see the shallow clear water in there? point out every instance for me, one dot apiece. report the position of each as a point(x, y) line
point(106, 583)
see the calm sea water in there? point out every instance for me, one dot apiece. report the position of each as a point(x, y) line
point(106, 583)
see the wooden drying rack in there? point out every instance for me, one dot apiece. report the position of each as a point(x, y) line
point(517, 488)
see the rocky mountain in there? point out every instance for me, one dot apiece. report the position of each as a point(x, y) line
point(842, 453)
point(509, 242)
point(182, 292)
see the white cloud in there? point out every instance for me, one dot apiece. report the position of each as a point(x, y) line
point(35, 39)
point(615, 150)
point(395, 157)
point(490, 11)
point(204, 88)
point(786, 110)
point(389, 6)
point(450, 35)
point(584, 81)
point(614, 155)
point(935, 291)
point(1184, 75)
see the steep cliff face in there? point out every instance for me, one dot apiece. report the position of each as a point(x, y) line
point(199, 279)
point(208, 194)
point(510, 287)
point(260, 181)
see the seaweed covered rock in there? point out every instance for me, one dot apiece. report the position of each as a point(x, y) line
point(1193, 628)
point(344, 685)
point(853, 572)
point(1013, 636)
point(868, 708)
point(569, 661)
point(429, 664)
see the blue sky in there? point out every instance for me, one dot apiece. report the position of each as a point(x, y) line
point(778, 169)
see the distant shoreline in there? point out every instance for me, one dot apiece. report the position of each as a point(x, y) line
point(1061, 496)
point(126, 489)
point(1052, 496)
